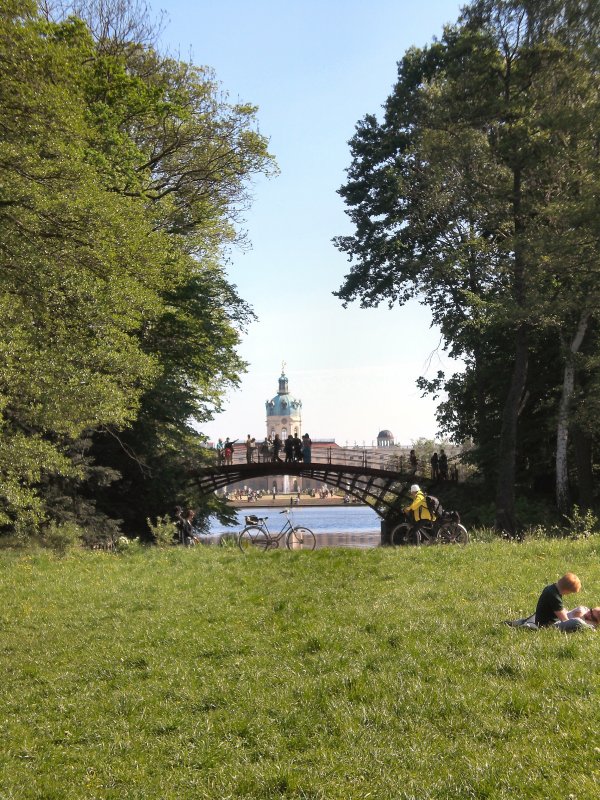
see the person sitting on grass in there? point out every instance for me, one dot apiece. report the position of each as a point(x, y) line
point(550, 610)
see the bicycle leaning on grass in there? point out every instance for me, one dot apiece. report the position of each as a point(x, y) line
point(257, 535)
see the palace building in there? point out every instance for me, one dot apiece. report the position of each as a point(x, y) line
point(284, 418)
point(284, 412)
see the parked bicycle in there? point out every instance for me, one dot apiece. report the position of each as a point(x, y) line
point(256, 534)
point(445, 530)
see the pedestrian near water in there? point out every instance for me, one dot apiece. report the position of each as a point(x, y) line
point(418, 507)
point(187, 527)
point(219, 449)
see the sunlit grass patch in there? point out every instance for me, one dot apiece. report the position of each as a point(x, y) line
point(206, 673)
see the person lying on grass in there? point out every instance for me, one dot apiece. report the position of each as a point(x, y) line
point(591, 616)
point(551, 611)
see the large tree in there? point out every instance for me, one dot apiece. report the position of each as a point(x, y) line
point(124, 174)
point(450, 198)
point(80, 267)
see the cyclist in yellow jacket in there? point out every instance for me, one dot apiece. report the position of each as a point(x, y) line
point(418, 507)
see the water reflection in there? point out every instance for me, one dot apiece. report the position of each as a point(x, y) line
point(348, 539)
point(337, 526)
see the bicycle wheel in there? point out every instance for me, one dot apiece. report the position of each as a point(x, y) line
point(300, 538)
point(404, 534)
point(453, 533)
point(428, 534)
point(253, 537)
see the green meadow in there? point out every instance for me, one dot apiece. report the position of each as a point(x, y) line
point(207, 673)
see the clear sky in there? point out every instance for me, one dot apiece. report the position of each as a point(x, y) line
point(314, 69)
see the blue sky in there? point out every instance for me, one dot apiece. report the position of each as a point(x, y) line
point(314, 69)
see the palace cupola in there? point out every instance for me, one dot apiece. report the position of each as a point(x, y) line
point(284, 412)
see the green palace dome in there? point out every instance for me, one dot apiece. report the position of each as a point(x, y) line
point(283, 404)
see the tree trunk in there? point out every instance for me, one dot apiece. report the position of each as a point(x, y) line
point(506, 520)
point(582, 443)
point(563, 498)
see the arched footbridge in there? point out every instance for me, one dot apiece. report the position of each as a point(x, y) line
point(385, 490)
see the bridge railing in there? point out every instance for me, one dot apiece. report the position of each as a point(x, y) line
point(372, 458)
point(347, 456)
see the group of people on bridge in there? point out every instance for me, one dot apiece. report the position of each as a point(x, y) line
point(295, 450)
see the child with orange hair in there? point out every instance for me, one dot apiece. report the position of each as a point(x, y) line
point(550, 609)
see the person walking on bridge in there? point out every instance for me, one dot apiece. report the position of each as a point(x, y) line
point(306, 448)
point(289, 449)
point(297, 448)
point(276, 448)
point(228, 450)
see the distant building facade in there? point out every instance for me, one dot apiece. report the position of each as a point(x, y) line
point(385, 438)
point(284, 418)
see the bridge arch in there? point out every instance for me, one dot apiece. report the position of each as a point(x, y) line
point(385, 491)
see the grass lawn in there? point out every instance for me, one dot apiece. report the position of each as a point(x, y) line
point(207, 673)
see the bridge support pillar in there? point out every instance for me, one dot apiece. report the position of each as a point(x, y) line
point(386, 533)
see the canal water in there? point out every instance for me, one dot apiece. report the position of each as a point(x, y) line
point(333, 526)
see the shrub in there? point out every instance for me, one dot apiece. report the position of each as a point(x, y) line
point(580, 525)
point(61, 537)
point(163, 529)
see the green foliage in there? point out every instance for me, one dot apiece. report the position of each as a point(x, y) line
point(124, 173)
point(473, 195)
point(200, 673)
point(581, 525)
point(61, 538)
point(164, 530)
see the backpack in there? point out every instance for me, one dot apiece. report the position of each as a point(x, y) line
point(434, 507)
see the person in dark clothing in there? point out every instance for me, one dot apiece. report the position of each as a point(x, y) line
point(297, 448)
point(264, 451)
point(187, 527)
point(550, 609)
point(412, 458)
point(435, 467)
point(276, 448)
point(443, 466)
point(306, 448)
point(289, 449)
